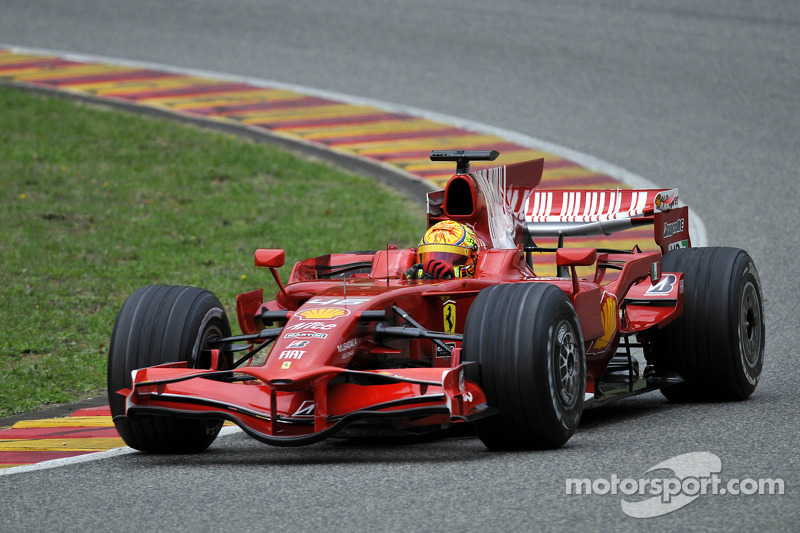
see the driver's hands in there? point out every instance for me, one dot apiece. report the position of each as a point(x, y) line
point(438, 269)
point(431, 269)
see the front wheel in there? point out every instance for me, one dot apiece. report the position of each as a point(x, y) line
point(528, 345)
point(163, 324)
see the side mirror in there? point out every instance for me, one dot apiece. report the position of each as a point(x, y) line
point(270, 257)
point(273, 259)
point(573, 257)
point(576, 256)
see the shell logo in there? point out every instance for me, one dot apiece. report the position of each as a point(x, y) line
point(609, 318)
point(665, 202)
point(323, 313)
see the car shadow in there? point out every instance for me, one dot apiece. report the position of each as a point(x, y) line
point(457, 445)
point(625, 411)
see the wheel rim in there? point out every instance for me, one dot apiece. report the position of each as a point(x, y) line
point(202, 358)
point(209, 327)
point(568, 370)
point(750, 325)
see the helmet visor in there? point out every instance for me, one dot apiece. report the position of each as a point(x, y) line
point(452, 255)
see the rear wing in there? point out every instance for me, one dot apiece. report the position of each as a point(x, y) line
point(568, 213)
point(505, 209)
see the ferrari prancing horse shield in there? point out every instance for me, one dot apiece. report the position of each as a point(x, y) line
point(449, 316)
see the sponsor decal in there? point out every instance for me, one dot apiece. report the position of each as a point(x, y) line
point(666, 200)
point(291, 354)
point(306, 335)
point(663, 287)
point(310, 325)
point(608, 315)
point(441, 352)
point(286, 364)
point(347, 348)
point(339, 301)
point(347, 345)
point(562, 333)
point(586, 206)
point(322, 313)
point(672, 228)
point(306, 409)
point(680, 244)
point(297, 344)
point(449, 315)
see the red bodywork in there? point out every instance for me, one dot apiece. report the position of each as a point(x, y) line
point(337, 359)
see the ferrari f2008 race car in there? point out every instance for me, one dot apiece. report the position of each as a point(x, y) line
point(400, 341)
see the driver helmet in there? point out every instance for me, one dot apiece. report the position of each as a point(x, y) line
point(453, 243)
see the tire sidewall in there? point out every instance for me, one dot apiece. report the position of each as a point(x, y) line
point(566, 414)
point(747, 285)
point(212, 324)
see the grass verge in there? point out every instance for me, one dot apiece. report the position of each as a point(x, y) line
point(95, 203)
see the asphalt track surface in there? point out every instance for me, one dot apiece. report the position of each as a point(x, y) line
point(703, 98)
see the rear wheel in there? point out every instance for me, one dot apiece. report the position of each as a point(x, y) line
point(531, 365)
point(717, 345)
point(162, 324)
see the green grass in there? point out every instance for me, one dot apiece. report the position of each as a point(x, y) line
point(95, 203)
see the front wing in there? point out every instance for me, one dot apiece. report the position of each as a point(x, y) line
point(310, 407)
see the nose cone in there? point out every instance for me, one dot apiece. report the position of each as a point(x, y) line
point(313, 335)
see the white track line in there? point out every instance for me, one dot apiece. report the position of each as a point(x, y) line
point(88, 457)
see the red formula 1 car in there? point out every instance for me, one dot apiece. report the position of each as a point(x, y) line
point(353, 344)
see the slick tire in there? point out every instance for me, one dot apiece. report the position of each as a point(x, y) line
point(717, 345)
point(162, 324)
point(528, 346)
